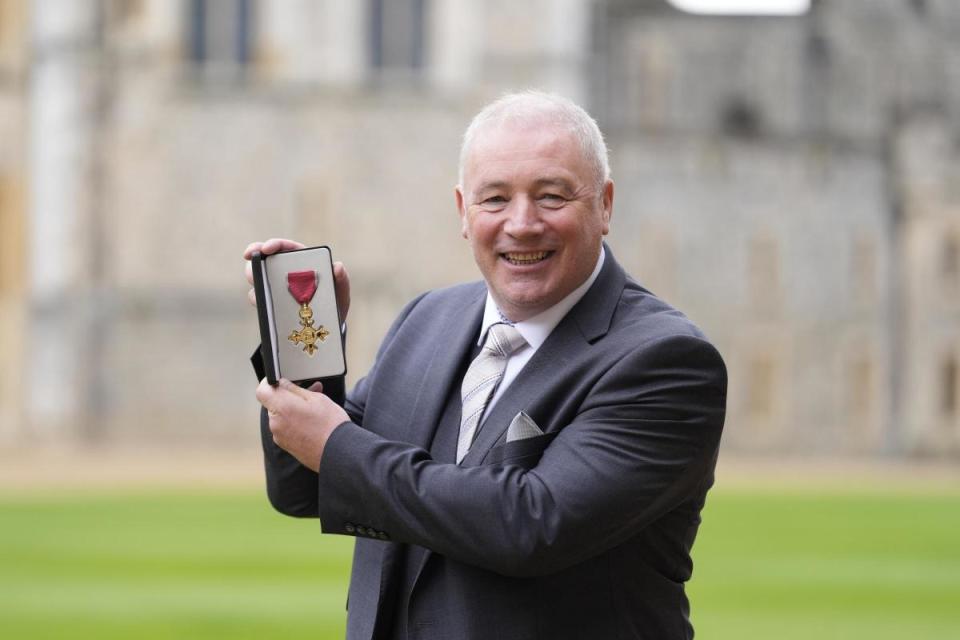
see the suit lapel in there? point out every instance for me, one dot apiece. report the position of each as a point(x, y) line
point(543, 366)
point(586, 322)
point(451, 345)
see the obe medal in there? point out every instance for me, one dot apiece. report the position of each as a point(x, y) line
point(302, 286)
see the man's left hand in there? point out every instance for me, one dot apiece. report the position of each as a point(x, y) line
point(301, 420)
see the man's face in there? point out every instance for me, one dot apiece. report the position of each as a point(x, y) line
point(532, 211)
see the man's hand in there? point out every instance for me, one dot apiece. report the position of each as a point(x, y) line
point(340, 278)
point(301, 420)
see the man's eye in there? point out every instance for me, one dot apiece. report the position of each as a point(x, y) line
point(493, 202)
point(552, 200)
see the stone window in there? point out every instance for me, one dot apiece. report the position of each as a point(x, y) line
point(860, 394)
point(763, 274)
point(122, 12)
point(220, 36)
point(741, 119)
point(761, 380)
point(648, 75)
point(950, 261)
point(658, 258)
point(397, 35)
point(4, 215)
point(14, 32)
point(864, 270)
point(948, 387)
point(11, 235)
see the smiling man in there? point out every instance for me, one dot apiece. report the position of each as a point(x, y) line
point(529, 455)
point(535, 203)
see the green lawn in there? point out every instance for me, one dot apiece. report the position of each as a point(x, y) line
point(828, 567)
point(221, 565)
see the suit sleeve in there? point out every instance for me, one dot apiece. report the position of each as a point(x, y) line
point(291, 487)
point(643, 442)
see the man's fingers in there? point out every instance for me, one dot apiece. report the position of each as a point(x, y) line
point(271, 246)
point(251, 249)
point(316, 387)
point(252, 297)
point(277, 398)
point(267, 396)
point(289, 387)
point(274, 245)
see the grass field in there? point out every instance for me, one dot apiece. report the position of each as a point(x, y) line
point(176, 564)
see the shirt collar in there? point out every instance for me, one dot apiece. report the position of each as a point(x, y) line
point(535, 330)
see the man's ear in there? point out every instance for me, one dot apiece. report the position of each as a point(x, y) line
point(607, 204)
point(461, 209)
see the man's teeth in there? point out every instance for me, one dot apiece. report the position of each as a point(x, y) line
point(526, 258)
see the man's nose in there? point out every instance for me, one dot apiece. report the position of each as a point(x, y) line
point(523, 218)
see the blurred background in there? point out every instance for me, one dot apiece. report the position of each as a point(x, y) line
point(787, 174)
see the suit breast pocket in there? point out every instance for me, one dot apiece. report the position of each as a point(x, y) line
point(525, 453)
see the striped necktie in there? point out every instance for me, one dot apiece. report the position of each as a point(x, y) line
point(482, 378)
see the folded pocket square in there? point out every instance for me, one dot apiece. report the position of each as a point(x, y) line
point(522, 427)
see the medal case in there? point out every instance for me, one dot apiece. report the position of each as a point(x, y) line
point(300, 337)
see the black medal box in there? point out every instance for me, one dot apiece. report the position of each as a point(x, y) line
point(300, 336)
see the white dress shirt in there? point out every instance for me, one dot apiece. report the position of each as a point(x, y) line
point(534, 330)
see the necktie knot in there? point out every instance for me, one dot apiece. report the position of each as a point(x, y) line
point(503, 340)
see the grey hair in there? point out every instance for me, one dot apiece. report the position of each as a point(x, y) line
point(538, 107)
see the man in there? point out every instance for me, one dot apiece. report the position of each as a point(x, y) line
point(547, 484)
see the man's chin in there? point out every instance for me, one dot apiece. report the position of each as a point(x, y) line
point(524, 307)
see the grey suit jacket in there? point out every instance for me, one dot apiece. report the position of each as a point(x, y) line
point(583, 532)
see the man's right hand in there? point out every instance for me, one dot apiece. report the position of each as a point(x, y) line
point(340, 278)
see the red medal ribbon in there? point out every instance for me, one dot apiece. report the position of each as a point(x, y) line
point(302, 284)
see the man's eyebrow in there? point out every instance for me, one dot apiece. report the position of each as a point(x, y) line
point(540, 182)
point(495, 184)
point(554, 182)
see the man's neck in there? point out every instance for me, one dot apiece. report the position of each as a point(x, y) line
point(536, 328)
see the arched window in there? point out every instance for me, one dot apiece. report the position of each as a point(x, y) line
point(863, 266)
point(860, 392)
point(950, 260)
point(948, 387)
point(761, 387)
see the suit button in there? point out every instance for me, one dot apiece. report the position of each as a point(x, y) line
point(349, 528)
point(382, 535)
point(362, 530)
